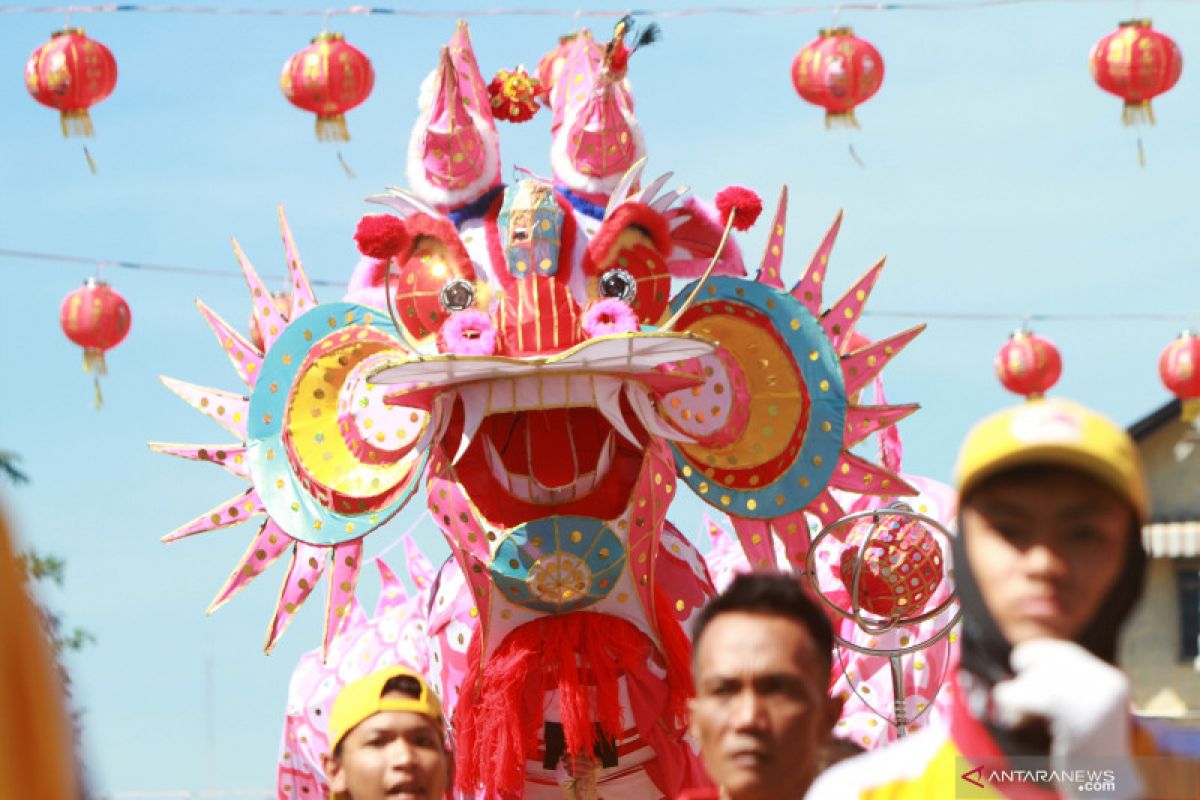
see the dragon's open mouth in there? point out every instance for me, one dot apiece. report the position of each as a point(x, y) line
point(531, 446)
point(561, 434)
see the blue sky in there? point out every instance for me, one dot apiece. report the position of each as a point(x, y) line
point(998, 179)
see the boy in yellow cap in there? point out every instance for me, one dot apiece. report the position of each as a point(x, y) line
point(387, 740)
point(1048, 566)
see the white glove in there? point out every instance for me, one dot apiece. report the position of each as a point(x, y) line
point(1085, 701)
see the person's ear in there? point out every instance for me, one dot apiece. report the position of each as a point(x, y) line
point(335, 774)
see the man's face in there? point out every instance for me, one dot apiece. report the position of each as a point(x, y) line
point(1045, 549)
point(761, 710)
point(397, 755)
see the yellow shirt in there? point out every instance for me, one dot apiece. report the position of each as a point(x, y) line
point(36, 758)
point(932, 764)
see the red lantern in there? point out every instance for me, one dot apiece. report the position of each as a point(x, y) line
point(97, 319)
point(837, 71)
point(328, 78)
point(1028, 365)
point(1179, 368)
point(71, 73)
point(1136, 63)
point(901, 566)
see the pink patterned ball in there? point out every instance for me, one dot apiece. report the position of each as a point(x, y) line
point(902, 565)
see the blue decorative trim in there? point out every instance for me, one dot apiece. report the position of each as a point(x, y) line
point(476, 208)
point(579, 204)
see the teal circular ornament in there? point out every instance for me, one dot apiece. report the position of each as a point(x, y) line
point(558, 564)
point(313, 482)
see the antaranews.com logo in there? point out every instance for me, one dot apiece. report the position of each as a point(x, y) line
point(1083, 781)
point(1162, 777)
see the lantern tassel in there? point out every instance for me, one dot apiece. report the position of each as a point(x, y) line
point(345, 167)
point(332, 128)
point(840, 119)
point(1190, 410)
point(1141, 154)
point(93, 361)
point(90, 162)
point(1137, 112)
point(854, 155)
point(76, 122)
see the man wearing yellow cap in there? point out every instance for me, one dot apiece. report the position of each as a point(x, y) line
point(1048, 566)
point(387, 740)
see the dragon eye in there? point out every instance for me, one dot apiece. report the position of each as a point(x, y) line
point(619, 284)
point(457, 295)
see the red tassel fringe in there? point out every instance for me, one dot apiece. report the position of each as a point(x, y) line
point(583, 656)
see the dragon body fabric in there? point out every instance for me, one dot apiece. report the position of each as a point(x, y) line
point(545, 379)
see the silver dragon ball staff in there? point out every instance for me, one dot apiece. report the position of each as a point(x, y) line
point(875, 624)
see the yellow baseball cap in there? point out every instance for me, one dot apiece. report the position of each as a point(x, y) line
point(365, 697)
point(1058, 432)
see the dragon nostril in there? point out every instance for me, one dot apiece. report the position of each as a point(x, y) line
point(468, 333)
point(609, 316)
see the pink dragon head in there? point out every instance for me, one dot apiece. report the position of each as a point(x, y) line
point(526, 353)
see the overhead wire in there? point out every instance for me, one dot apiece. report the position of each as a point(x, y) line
point(969, 316)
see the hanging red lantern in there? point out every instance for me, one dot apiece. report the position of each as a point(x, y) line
point(1028, 365)
point(328, 78)
point(837, 71)
point(1179, 368)
point(71, 73)
point(1136, 63)
point(97, 319)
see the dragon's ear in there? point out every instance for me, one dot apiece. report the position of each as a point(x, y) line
point(696, 230)
point(773, 424)
point(627, 259)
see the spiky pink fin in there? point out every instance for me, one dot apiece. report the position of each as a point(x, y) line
point(861, 366)
point(470, 80)
point(270, 321)
point(860, 476)
point(230, 456)
point(391, 593)
point(302, 294)
point(225, 408)
point(792, 530)
point(308, 562)
point(808, 289)
point(826, 509)
point(231, 512)
point(268, 545)
point(244, 356)
point(419, 568)
point(756, 541)
point(343, 577)
point(841, 318)
point(770, 271)
point(716, 534)
point(862, 421)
